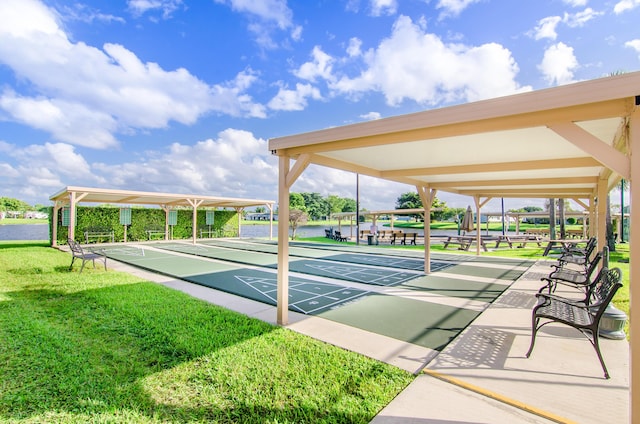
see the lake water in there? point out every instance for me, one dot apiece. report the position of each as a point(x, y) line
point(24, 232)
point(249, 230)
point(41, 231)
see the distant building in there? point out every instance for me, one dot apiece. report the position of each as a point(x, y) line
point(260, 217)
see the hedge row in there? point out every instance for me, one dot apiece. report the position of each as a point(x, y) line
point(95, 219)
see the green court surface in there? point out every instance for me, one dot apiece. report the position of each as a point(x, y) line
point(339, 270)
point(305, 296)
point(424, 323)
point(452, 287)
point(362, 258)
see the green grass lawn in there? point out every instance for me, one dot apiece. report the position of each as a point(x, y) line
point(110, 347)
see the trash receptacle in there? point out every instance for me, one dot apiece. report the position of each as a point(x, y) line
point(370, 239)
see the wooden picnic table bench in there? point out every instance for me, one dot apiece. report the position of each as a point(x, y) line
point(464, 242)
point(521, 239)
point(564, 243)
point(154, 231)
point(98, 233)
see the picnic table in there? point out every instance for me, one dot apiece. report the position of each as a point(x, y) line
point(520, 239)
point(564, 243)
point(464, 242)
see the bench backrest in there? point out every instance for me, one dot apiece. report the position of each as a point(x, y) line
point(603, 289)
point(590, 247)
point(75, 247)
point(594, 264)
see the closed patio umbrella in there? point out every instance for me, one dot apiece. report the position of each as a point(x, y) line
point(467, 221)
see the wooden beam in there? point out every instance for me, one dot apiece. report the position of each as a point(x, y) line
point(301, 164)
point(601, 151)
point(282, 313)
point(579, 162)
point(532, 182)
point(545, 192)
point(634, 268)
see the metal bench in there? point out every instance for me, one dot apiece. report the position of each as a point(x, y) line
point(584, 315)
point(409, 237)
point(77, 252)
point(572, 277)
point(339, 237)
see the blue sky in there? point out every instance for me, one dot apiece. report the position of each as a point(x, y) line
point(182, 96)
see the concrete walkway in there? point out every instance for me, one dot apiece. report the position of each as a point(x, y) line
point(483, 375)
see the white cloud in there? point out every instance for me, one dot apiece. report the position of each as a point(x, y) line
point(546, 28)
point(625, 5)
point(235, 164)
point(71, 122)
point(453, 7)
point(167, 7)
point(415, 65)
point(40, 170)
point(579, 19)
point(353, 50)
point(634, 44)
point(296, 33)
point(558, 64)
point(275, 11)
point(264, 16)
point(576, 3)
point(320, 67)
point(371, 116)
point(294, 99)
point(383, 7)
point(84, 13)
point(89, 94)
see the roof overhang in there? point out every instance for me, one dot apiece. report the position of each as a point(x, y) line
point(109, 196)
point(555, 143)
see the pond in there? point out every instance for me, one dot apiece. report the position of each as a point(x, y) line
point(24, 232)
point(41, 231)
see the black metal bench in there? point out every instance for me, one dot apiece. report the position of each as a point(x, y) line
point(339, 237)
point(571, 277)
point(408, 237)
point(582, 314)
point(77, 252)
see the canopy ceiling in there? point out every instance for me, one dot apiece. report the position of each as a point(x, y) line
point(553, 143)
point(99, 195)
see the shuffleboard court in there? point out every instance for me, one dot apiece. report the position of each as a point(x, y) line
point(422, 320)
point(305, 296)
point(341, 271)
point(361, 258)
point(386, 251)
point(452, 287)
point(422, 323)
